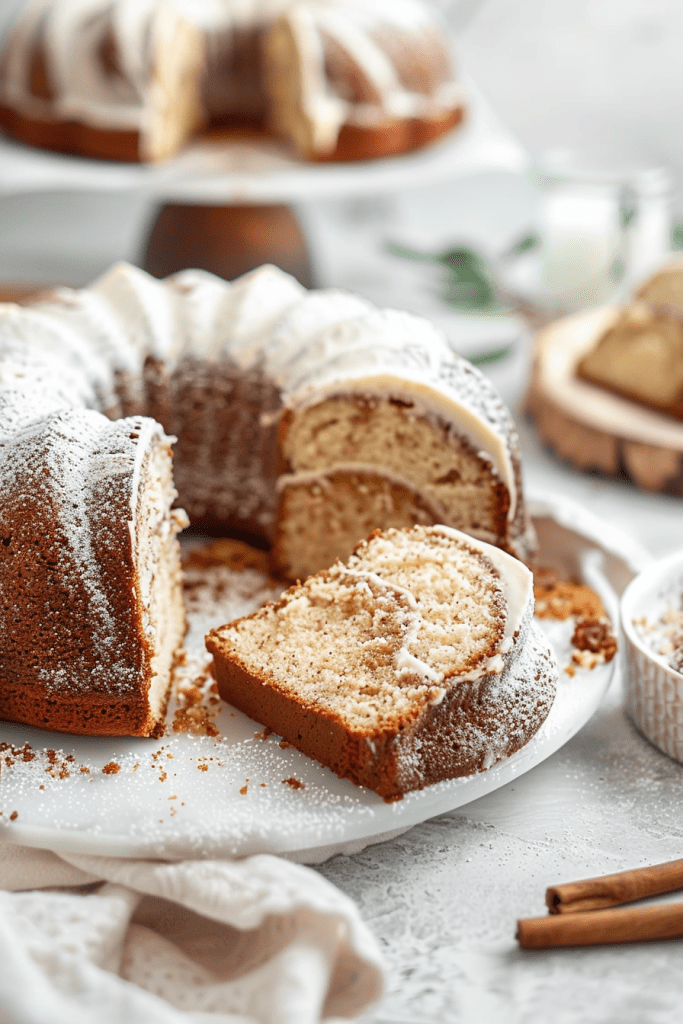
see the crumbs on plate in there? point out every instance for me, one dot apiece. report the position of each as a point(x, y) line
point(593, 642)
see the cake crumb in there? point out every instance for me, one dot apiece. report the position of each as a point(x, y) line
point(593, 641)
point(195, 720)
point(559, 599)
point(294, 783)
point(14, 815)
point(595, 635)
point(235, 554)
point(111, 768)
point(243, 790)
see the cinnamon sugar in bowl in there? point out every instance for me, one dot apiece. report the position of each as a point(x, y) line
point(652, 621)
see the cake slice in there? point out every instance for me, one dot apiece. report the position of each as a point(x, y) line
point(640, 356)
point(664, 289)
point(415, 661)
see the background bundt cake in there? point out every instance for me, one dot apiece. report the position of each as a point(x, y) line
point(123, 79)
point(305, 419)
point(415, 661)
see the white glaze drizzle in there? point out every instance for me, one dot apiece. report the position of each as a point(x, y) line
point(73, 32)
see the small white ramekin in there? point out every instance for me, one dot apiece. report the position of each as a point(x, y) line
point(654, 690)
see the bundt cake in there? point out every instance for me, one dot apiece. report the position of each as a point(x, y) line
point(415, 661)
point(304, 419)
point(134, 80)
point(639, 354)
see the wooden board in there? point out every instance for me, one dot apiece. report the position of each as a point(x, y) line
point(591, 428)
point(11, 291)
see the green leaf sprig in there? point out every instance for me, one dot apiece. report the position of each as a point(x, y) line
point(469, 284)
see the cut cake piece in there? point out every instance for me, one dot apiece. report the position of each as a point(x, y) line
point(664, 289)
point(415, 661)
point(640, 356)
point(640, 353)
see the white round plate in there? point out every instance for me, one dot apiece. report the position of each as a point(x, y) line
point(255, 171)
point(241, 792)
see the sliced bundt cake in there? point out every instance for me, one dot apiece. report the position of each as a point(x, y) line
point(305, 419)
point(133, 80)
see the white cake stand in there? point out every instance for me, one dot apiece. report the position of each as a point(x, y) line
point(252, 171)
point(230, 204)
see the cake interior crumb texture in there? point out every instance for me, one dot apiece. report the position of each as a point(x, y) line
point(415, 661)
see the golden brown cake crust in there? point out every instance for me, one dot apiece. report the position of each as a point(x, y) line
point(460, 723)
point(355, 142)
point(455, 732)
point(71, 137)
point(401, 136)
point(76, 656)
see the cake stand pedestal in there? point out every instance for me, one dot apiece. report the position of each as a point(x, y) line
point(227, 240)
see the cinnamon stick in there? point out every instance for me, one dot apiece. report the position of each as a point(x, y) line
point(595, 928)
point(612, 890)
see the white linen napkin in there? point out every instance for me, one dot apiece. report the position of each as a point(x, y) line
point(254, 941)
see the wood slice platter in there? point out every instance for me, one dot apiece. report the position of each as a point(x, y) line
point(591, 428)
point(16, 291)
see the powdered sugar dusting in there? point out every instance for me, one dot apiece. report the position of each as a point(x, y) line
point(182, 795)
point(73, 477)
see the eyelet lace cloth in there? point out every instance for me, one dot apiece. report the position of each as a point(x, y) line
point(85, 938)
